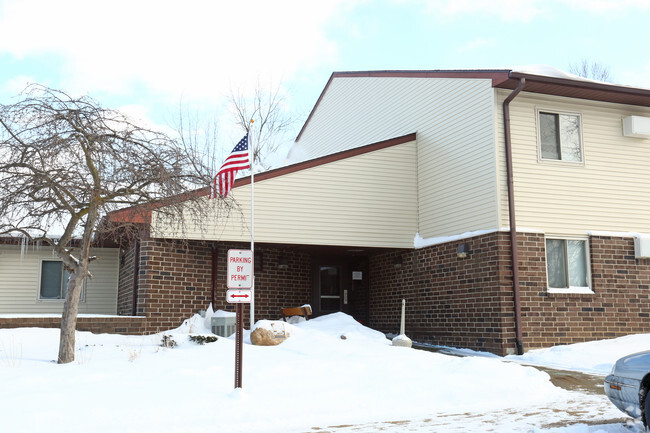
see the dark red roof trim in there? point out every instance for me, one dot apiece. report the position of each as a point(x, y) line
point(497, 77)
point(326, 159)
point(507, 79)
point(579, 89)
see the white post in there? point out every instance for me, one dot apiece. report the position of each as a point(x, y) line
point(402, 340)
point(402, 327)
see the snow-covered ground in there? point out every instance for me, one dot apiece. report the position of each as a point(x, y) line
point(331, 375)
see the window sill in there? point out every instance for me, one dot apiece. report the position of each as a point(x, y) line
point(570, 291)
point(561, 162)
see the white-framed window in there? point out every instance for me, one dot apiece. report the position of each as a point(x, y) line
point(567, 265)
point(560, 136)
point(54, 281)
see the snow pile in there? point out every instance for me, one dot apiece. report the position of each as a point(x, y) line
point(596, 357)
point(332, 371)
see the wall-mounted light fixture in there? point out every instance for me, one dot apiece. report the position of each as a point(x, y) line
point(462, 251)
point(397, 262)
point(283, 263)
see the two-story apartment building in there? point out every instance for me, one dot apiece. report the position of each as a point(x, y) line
point(507, 207)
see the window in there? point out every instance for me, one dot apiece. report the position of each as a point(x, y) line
point(567, 265)
point(54, 280)
point(559, 137)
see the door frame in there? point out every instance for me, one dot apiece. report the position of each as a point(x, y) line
point(345, 281)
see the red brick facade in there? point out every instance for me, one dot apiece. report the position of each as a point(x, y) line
point(449, 301)
point(176, 280)
point(469, 302)
point(620, 304)
point(96, 324)
point(462, 302)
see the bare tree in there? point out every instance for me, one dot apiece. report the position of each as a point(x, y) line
point(592, 70)
point(272, 120)
point(65, 163)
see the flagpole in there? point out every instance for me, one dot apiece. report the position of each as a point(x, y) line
point(252, 159)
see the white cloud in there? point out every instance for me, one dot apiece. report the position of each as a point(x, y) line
point(193, 48)
point(521, 10)
point(17, 84)
point(606, 6)
point(476, 44)
point(636, 78)
point(527, 10)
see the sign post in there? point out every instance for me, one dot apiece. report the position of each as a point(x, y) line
point(240, 283)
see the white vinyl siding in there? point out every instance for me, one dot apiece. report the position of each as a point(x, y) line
point(607, 192)
point(454, 121)
point(368, 200)
point(20, 284)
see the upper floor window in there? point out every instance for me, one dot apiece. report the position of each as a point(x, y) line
point(560, 137)
point(567, 264)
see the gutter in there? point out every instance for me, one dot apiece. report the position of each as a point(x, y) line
point(511, 214)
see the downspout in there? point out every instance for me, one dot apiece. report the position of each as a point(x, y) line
point(511, 214)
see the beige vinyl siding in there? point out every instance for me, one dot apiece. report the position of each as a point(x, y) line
point(367, 200)
point(19, 285)
point(453, 119)
point(607, 192)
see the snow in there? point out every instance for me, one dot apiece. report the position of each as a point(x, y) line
point(420, 242)
point(551, 72)
point(595, 357)
point(332, 371)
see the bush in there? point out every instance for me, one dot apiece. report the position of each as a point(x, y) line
point(168, 341)
point(202, 339)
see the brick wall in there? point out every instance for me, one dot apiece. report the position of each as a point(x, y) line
point(469, 302)
point(125, 285)
point(275, 288)
point(619, 306)
point(97, 324)
point(175, 281)
point(449, 301)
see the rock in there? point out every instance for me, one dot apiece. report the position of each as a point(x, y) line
point(269, 333)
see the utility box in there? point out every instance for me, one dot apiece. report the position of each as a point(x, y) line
point(642, 246)
point(223, 326)
point(636, 126)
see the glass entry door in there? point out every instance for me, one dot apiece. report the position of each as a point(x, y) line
point(329, 288)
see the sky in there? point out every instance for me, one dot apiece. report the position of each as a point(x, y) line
point(158, 59)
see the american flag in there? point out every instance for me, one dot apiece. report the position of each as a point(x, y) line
point(225, 178)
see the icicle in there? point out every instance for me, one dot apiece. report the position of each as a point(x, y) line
point(23, 247)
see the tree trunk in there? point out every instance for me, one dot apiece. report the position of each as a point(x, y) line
point(75, 285)
point(69, 317)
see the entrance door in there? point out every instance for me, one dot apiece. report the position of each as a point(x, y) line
point(329, 288)
point(340, 283)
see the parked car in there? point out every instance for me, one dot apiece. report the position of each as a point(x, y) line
point(628, 383)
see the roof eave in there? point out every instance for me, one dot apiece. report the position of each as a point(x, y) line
point(579, 89)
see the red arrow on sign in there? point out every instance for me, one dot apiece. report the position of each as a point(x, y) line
point(235, 296)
